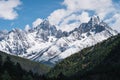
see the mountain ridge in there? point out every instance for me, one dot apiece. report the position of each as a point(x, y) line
point(26, 64)
point(98, 62)
point(45, 43)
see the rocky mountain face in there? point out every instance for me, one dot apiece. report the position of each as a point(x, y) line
point(47, 44)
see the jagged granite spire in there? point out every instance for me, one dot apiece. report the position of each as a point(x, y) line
point(94, 20)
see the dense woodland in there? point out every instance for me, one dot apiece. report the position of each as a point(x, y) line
point(13, 71)
point(99, 62)
point(16, 68)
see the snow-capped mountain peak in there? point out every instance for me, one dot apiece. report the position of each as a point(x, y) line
point(46, 44)
point(95, 20)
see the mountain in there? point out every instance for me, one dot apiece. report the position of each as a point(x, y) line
point(46, 44)
point(16, 68)
point(99, 62)
point(26, 64)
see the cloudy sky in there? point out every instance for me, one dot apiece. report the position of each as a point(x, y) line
point(66, 14)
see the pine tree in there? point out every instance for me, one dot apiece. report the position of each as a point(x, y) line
point(0, 64)
point(6, 76)
point(27, 77)
point(0, 61)
point(61, 76)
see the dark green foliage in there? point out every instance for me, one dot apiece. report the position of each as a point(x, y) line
point(61, 76)
point(14, 71)
point(1, 63)
point(99, 62)
point(0, 60)
point(6, 76)
point(26, 64)
point(27, 78)
point(11, 69)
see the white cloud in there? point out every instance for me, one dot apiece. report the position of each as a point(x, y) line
point(115, 22)
point(36, 22)
point(84, 17)
point(78, 11)
point(27, 28)
point(63, 18)
point(69, 27)
point(101, 7)
point(73, 21)
point(57, 16)
point(8, 9)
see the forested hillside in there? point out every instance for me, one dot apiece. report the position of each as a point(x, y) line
point(16, 68)
point(99, 62)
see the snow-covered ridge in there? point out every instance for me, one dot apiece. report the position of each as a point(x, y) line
point(46, 44)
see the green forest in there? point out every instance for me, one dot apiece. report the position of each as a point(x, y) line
point(16, 68)
point(99, 62)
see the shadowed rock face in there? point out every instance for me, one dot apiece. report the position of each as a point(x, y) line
point(93, 25)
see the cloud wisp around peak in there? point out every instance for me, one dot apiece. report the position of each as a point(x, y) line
point(80, 11)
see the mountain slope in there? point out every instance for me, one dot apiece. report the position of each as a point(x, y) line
point(27, 64)
point(48, 45)
point(99, 62)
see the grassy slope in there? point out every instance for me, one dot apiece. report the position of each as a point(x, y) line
point(101, 58)
point(27, 64)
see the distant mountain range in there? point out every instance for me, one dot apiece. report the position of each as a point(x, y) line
point(46, 44)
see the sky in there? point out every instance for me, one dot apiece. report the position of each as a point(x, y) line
point(65, 14)
point(23, 12)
